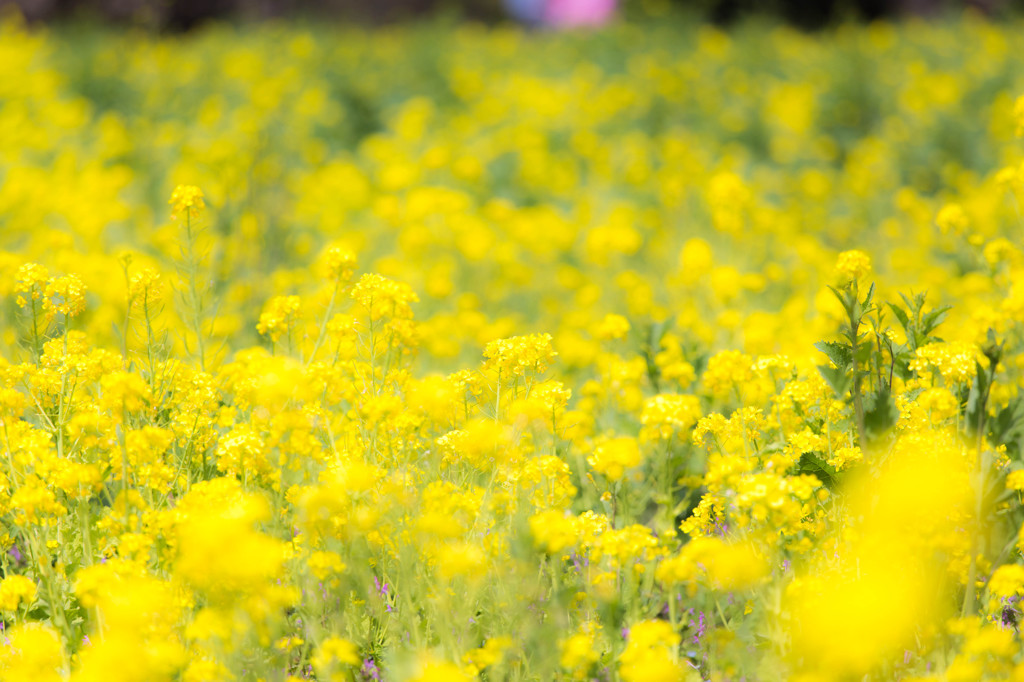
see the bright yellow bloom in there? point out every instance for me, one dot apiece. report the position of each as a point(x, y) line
point(279, 316)
point(32, 280)
point(186, 200)
point(16, 590)
point(650, 655)
point(515, 356)
point(613, 457)
point(577, 652)
point(145, 288)
point(852, 265)
point(65, 295)
point(334, 650)
point(612, 327)
point(952, 218)
point(33, 653)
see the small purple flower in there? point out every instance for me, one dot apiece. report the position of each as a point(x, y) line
point(383, 590)
point(701, 628)
point(1009, 616)
point(370, 671)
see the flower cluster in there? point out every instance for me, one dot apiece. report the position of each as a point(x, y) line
point(461, 366)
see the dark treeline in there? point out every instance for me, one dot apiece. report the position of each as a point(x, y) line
point(180, 15)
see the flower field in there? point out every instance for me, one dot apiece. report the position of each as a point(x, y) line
point(449, 352)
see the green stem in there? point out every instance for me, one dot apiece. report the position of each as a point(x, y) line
point(858, 404)
point(323, 325)
point(197, 316)
point(981, 475)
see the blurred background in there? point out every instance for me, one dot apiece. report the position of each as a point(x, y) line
point(179, 15)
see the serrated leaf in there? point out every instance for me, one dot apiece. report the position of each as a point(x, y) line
point(880, 412)
point(867, 298)
point(1007, 427)
point(840, 294)
point(839, 353)
point(864, 351)
point(979, 390)
point(901, 368)
point(837, 379)
point(933, 319)
point(810, 463)
point(901, 315)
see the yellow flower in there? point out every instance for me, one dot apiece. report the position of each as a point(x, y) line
point(220, 553)
point(696, 259)
point(728, 371)
point(650, 654)
point(324, 565)
point(612, 327)
point(665, 416)
point(430, 670)
point(145, 288)
point(952, 218)
point(515, 356)
point(577, 652)
point(852, 265)
point(65, 295)
point(490, 653)
point(16, 590)
point(279, 316)
point(553, 530)
point(384, 298)
point(1007, 581)
point(464, 559)
point(124, 391)
point(334, 650)
point(613, 457)
point(32, 280)
point(339, 263)
point(33, 653)
point(1015, 480)
point(187, 200)
point(956, 361)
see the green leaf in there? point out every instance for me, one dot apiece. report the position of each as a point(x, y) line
point(931, 320)
point(865, 349)
point(901, 366)
point(837, 379)
point(866, 303)
point(901, 315)
point(880, 412)
point(840, 354)
point(1007, 427)
point(811, 463)
point(979, 390)
point(840, 294)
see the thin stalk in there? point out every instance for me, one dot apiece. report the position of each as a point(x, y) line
point(323, 325)
point(858, 403)
point(982, 467)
